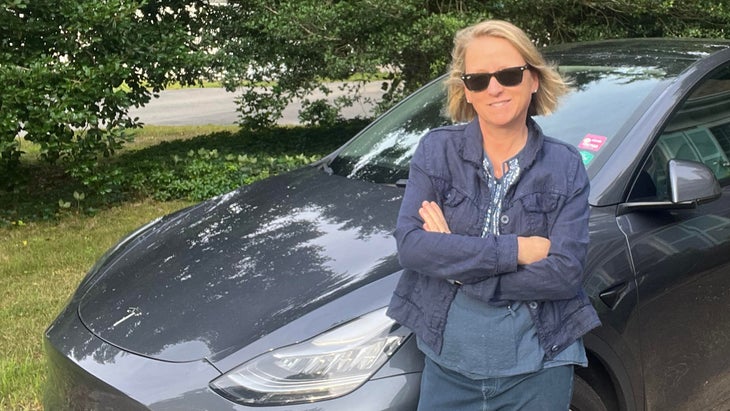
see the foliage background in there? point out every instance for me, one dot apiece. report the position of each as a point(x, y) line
point(295, 44)
point(70, 69)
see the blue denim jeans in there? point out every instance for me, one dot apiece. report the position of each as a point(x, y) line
point(549, 389)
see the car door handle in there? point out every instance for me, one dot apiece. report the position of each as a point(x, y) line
point(613, 295)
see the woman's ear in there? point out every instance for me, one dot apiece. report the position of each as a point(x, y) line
point(535, 82)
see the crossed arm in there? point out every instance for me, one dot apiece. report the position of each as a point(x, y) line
point(526, 268)
point(529, 249)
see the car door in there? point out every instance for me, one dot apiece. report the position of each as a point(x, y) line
point(681, 258)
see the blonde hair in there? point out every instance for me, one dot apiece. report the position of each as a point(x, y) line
point(552, 85)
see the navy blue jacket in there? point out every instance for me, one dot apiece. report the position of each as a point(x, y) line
point(550, 199)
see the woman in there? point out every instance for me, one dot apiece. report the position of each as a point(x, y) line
point(492, 235)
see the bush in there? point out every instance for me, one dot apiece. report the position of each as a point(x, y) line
point(193, 169)
point(70, 70)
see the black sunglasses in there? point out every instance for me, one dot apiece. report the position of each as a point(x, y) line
point(508, 77)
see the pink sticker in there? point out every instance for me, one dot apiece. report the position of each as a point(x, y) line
point(592, 142)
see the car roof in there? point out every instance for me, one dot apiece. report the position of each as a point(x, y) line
point(671, 55)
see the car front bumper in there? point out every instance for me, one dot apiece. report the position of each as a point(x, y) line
point(86, 373)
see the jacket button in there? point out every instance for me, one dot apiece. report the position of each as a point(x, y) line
point(554, 348)
point(504, 219)
point(532, 305)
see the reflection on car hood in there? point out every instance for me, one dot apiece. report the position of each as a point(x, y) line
point(219, 276)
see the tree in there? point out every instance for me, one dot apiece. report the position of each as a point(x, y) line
point(560, 21)
point(286, 48)
point(70, 69)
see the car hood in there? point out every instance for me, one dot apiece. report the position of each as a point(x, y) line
point(216, 277)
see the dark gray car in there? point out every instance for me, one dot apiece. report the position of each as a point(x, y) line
point(273, 295)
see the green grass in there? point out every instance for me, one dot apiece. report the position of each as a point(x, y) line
point(170, 162)
point(178, 86)
point(40, 265)
point(153, 135)
point(46, 250)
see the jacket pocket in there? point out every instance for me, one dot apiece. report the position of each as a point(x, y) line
point(461, 213)
point(539, 212)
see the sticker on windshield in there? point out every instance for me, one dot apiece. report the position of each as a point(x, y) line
point(586, 156)
point(592, 142)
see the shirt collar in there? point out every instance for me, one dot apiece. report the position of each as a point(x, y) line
point(472, 150)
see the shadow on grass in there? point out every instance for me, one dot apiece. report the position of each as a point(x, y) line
point(193, 169)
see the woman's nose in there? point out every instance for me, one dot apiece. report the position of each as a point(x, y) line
point(494, 87)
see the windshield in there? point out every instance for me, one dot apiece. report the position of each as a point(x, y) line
point(381, 153)
point(589, 117)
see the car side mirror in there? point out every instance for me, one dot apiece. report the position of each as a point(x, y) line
point(692, 182)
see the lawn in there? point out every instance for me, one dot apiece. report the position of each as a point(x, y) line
point(40, 265)
point(47, 245)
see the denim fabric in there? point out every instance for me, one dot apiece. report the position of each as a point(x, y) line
point(484, 341)
point(548, 389)
point(550, 199)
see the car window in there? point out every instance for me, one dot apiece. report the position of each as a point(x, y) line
point(698, 131)
point(382, 152)
point(601, 101)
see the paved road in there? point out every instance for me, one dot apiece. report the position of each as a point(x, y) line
point(216, 106)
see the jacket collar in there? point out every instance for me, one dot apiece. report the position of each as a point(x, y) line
point(473, 151)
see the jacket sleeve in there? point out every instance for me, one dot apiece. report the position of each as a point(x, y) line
point(559, 276)
point(448, 256)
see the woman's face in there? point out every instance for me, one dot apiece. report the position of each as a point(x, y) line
point(498, 106)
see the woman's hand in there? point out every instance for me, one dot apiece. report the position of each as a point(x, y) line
point(529, 249)
point(532, 249)
point(433, 218)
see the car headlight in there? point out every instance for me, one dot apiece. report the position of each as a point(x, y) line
point(329, 365)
